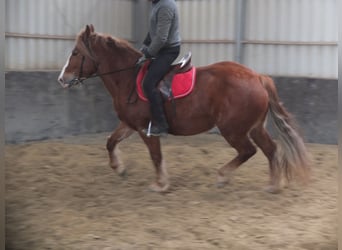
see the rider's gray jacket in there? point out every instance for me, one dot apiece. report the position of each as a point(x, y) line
point(164, 27)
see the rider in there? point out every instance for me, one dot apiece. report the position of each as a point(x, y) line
point(162, 43)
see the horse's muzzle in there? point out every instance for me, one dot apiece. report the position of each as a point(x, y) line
point(67, 84)
point(63, 83)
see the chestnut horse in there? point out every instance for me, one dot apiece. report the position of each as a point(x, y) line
point(227, 95)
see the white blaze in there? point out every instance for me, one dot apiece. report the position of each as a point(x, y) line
point(60, 77)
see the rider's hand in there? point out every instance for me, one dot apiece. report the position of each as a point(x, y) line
point(144, 57)
point(143, 47)
point(144, 50)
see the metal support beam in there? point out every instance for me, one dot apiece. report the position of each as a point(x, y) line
point(240, 21)
point(2, 124)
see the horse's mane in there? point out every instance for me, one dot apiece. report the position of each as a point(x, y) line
point(106, 41)
point(109, 41)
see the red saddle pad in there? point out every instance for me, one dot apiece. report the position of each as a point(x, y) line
point(182, 83)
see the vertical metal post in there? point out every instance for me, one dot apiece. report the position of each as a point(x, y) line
point(340, 122)
point(140, 20)
point(2, 126)
point(240, 21)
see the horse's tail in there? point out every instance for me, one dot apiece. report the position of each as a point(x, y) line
point(291, 156)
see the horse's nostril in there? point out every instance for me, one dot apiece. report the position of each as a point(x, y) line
point(60, 79)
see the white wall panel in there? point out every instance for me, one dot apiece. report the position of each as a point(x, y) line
point(292, 37)
point(65, 17)
point(291, 20)
point(292, 60)
point(207, 29)
point(206, 19)
point(203, 54)
point(39, 33)
point(280, 37)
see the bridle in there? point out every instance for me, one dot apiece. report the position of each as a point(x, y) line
point(80, 78)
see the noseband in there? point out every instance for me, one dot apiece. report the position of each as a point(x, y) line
point(80, 79)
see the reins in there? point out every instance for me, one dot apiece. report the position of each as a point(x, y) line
point(80, 79)
point(111, 72)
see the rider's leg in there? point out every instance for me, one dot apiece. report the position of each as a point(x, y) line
point(158, 68)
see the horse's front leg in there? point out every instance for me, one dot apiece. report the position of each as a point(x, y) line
point(162, 181)
point(119, 134)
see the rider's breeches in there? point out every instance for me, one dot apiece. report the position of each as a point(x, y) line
point(158, 68)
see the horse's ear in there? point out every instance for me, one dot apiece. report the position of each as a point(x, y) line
point(91, 28)
point(86, 37)
point(87, 31)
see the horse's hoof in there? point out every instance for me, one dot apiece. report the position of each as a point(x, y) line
point(155, 187)
point(119, 169)
point(272, 189)
point(123, 173)
point(221, 181)
point(221, 184)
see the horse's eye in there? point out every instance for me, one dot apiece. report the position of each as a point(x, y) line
point(74, 52)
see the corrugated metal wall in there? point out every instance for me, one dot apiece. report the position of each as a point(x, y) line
point(292, 37)
point(276, 37)
point(40, 33)
point(207, 29)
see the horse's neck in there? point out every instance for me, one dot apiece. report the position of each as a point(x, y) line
point(120, 82)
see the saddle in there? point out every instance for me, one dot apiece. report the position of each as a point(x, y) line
point(177, 83)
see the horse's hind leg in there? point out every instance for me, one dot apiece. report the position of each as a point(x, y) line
point(261, 137)
point(119, 134)
point(162, 181)
point(245, 150)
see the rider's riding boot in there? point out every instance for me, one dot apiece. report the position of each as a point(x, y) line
point(159, 126)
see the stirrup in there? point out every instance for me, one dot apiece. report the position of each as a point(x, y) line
point(149, 134)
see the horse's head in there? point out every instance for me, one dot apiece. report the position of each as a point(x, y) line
point(81, 62)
